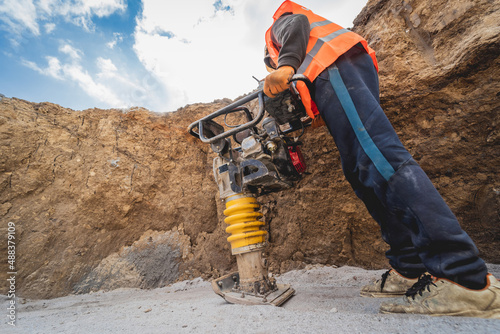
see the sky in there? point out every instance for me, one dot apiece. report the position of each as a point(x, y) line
point(156, 54)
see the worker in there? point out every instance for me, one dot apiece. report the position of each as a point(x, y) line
point(435, 264)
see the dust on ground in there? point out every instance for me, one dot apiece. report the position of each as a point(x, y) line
point(327, 300)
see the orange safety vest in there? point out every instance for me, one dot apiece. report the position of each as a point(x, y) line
point(327, 42)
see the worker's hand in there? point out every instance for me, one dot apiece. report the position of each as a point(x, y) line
point(278, 81)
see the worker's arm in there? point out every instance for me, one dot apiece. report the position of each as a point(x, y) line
point(290, 34)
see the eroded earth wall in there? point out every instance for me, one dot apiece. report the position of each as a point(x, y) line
point(103, 199)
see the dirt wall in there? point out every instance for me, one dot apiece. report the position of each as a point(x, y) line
point(103, 199)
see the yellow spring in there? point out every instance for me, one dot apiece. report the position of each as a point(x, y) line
point(241, 216)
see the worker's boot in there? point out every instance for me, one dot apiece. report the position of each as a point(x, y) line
point(392, 284)
point(439, 296)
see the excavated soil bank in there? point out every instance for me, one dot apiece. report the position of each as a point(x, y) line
point(106, 199)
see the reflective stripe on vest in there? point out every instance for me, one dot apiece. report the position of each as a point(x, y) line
point(317, 46)
point(327, 42)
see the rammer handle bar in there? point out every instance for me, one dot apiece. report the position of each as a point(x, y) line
point(199, 123)
point(227, 109)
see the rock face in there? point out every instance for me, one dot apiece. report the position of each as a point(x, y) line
point(103, 199)
point(439, 69)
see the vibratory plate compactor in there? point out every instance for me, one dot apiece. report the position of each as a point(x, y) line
point(254, 157)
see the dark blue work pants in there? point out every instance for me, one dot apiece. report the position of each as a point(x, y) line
point(423, 233)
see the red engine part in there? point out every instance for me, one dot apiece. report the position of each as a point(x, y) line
point(297, 159)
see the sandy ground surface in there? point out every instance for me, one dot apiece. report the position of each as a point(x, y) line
point(326, 301)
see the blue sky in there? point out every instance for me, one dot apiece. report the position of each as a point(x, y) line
point(157, 54)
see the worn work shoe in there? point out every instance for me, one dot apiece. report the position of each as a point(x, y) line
point(439, 296)
point(392, 284)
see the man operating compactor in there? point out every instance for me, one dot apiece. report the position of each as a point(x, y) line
point(435, 264)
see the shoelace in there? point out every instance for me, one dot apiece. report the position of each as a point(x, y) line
point(384, 278)
point(424, 282)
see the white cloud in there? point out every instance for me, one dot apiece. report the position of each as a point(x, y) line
point(73, 53)
point(194, 51)
point(225, 47)
point(109, 86)
point(100, 8)
point(92, 88)
point(74, 72)
point(80, 12)
point(106, 67)
point(217, 62)
point(19, 15)
point(111, 44)
point(117, 37)
point(53, 69)
point(31, 65)
point(49, 27)
point(128, 87)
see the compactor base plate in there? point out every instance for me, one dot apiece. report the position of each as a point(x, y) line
point(225, 287)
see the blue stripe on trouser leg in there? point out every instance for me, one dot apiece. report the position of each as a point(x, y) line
point(415, 221)
point(364, 138)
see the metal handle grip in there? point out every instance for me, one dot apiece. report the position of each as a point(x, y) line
point(199, 123)
point(309, 84)
point(258, 94)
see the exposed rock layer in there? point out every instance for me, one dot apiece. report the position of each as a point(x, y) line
point(104, 199)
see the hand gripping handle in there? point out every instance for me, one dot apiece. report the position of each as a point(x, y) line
point(205, 121)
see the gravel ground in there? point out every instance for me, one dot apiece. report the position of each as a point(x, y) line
point(326, 301)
